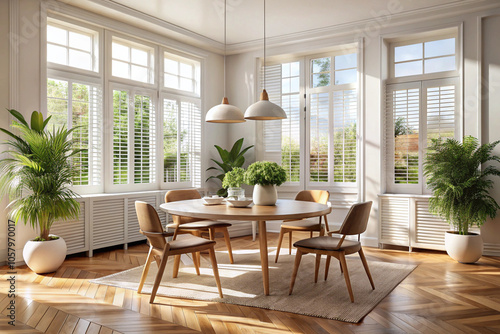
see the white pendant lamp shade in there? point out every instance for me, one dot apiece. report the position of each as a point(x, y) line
point(224, 113)
point(264, 109)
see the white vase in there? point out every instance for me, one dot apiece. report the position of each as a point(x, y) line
point(463, 248)
point(45, 256)
point(265, 195)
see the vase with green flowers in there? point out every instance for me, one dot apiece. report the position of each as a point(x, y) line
point(265, 176)
point(232, 182)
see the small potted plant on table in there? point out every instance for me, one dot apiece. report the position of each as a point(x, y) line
point(232, 181)
point(460, 191)
point(36, 175)
point(265, 176)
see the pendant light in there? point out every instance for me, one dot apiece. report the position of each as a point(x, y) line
point(224, 112)
point(264, 109)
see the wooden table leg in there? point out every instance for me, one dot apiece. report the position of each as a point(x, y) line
point(263, 256)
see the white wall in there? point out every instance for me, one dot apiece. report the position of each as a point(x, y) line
point(4, 103)
point(242, 70)
point(491, 106)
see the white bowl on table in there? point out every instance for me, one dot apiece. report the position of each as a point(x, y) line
point(212, 200)
point(239, 203)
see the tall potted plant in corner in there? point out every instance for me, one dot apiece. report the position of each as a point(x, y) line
point(460, 187)
point(36, 174)
point(265, 176)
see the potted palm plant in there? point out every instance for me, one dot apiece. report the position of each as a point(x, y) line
point(231, 159)
point(265, 176)
point(35, 175)
point(460, 185)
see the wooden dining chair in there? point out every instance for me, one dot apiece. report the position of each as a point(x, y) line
point(160, 249)
point(288, 226)
point(193, 225)
point(354, 223)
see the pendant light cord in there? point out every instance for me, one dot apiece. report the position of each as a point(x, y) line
point(225, 10)
point(264, 80)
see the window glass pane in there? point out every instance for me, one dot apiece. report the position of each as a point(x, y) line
point(346, 61)
point(186, 70)
point(285, 86)
point(290, 136)
point(80, 41)
point(57, 54)
point(295, 68)
point(80, 119)
point(408, 52)
point(171, 66)
point(285, 70)
point(171, 81)
point(56, 35)
point(319, 132)
point(440, 64)
point(144, 143)
point(80, 59)
point(409, 68)
point(120, 69)
point(121, 52)
point(321, 80)
point(139, 57)
point(139, 73)
point(442, 47)
point(186, 84)
point(321, 65)
point(295, 85)
point(57, 102)
point(345, 76)
point(344, 135)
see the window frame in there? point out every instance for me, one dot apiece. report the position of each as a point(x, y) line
point(81, 28)
point(130, 185)
point(330, 89)
point(425, 76)
point(196, 63)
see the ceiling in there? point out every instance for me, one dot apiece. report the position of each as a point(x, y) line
point(202, 20)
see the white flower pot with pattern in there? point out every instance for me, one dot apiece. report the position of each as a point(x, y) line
point(463, 248)
point(44, 256)
point(265, 195)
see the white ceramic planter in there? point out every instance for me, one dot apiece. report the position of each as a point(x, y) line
point(463, 248)
point(44, 256)
point(265, 195)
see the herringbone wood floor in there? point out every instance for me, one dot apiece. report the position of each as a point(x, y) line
point(440, 296)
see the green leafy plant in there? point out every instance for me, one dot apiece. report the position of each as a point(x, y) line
point(265, 173)
point(229, 160)
point(234, 178)
point(459, 184)
point(36, 173)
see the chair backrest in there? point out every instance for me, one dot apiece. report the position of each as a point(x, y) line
point(150, 222)
point(182, 195)
point(318, 196)
point(357, 219)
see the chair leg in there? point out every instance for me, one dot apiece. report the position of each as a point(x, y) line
point(316, 267)
point(346, 275)
point(340, 265)
point(298, 257)
point(327, 265)
point(326, 223)
point(146, 269)
point(195, 262)
point(310, 234)
point(177, 262)
point(228, 244)
point(158, 260)
point(290, 243)
point(211, 253)
point(211, 234)
point(279, 245)
point(159, 275)
point(365, 264)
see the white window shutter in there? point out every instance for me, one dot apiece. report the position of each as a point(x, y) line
point(144, 139)
point(120, 136)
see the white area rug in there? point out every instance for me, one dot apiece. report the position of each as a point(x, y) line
point(242, 284)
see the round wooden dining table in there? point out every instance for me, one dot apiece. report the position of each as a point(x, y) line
point(284, 209)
